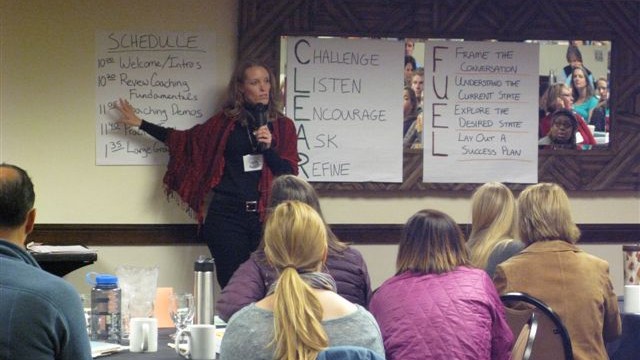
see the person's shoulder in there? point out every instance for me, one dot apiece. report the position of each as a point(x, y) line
point(466, 271)
point(40, 288)
point(465, 275)
point(349, 254)
point(597, 262)
point(246, 315)
point(399, 281)
point(285, 121)
point(511, 246)
point(545, 140)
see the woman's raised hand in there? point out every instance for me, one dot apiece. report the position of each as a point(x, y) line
point(127, 111)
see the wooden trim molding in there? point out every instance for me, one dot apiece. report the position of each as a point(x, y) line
point(187, 234)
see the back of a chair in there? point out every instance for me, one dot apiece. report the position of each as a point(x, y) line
point(524, 342)
point(348, 353)
point(552, 340)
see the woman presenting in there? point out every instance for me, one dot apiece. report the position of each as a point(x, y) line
point(235, 154)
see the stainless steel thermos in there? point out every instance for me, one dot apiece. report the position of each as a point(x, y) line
point(203, 284)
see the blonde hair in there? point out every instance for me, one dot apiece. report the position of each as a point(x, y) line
point(295, 240)
point(544, 215)
point(431, 243)
point(493, 212)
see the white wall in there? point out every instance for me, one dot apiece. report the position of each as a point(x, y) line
point(47, 126)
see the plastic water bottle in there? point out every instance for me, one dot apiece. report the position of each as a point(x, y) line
point(105, 307)
point(203, 290)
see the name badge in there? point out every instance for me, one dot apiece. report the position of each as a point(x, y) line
point(253, 162)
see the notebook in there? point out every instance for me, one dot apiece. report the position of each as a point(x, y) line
point(99, 348)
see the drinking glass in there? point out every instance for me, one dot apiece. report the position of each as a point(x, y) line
point(181, 309)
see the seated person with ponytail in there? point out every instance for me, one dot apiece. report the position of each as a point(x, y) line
point(295, 243)
point(253, 278)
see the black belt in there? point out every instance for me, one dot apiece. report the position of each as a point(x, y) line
point(248, 206)
point(251, 206)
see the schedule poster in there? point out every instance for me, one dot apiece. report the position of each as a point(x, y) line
point(168, 77)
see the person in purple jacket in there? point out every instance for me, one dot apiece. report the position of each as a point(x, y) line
point(253, 278)
point(437, 306)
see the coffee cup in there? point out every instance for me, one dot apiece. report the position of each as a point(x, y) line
point(143, 334)
point(632, 299)
point(201, 342)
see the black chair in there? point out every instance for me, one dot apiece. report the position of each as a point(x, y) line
point(524, 342)
point(552, 340)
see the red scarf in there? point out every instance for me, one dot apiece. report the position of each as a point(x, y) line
point(196, 160)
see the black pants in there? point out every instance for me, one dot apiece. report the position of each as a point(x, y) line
point(232, 233)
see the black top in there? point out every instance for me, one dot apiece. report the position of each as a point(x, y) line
point(235, 181)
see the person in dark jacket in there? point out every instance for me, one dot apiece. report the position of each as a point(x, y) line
point(41, 315)
point(253, 278)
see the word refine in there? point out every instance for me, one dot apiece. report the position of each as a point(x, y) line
point(330, 169)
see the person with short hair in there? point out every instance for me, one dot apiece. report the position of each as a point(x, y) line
point(576, 285)
point(302, 314)
point(574, 58)
point(417, 84)
point(562, 134)
point(255, 276)
point(41, 315)
point(438, 306)
point(409, 67)
point(493, 228)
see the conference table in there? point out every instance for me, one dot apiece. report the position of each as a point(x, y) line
point(164, 351)
point(627, 346)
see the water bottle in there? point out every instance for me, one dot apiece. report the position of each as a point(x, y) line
point(105, 307)
point(203, 284)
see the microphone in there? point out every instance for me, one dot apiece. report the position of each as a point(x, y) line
point(262, 114)
point(262, 119)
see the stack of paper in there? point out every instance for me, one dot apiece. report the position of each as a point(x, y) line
point(47, 249)
point(99, 348)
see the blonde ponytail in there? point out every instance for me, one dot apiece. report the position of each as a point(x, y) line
point(297, 313)
point(295, 240)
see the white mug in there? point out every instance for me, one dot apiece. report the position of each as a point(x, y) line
point(632, 299)
point(201, 342)
point(143, 334)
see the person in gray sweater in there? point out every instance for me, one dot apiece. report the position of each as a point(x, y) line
point(302, 314)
